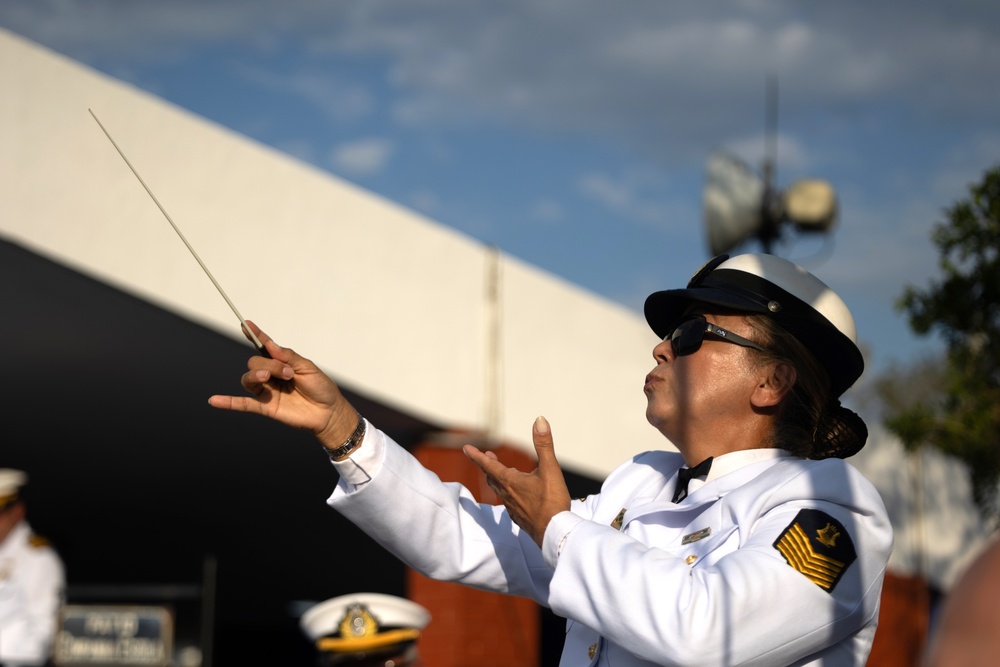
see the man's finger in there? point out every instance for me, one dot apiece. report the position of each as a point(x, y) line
point(235, 403)
point(266, 341)
point(486, 464)
point(257, 331)
point(541, 436)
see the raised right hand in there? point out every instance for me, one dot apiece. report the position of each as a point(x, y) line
point(292, 390)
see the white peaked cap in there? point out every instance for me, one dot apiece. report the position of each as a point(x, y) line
point(387, 620)
point(796, 299)
point(11, 481)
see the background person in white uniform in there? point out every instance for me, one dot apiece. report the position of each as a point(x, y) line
point(773, 553)
point(32, 581)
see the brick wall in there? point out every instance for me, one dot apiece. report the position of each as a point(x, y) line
point(471, 627)
point(904, 622)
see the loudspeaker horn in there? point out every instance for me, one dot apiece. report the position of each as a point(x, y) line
point(732, 199)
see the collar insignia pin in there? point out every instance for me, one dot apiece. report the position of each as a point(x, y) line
point(619, 520)
point(697, 535)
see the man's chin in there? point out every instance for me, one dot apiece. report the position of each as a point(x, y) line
point(655, 420)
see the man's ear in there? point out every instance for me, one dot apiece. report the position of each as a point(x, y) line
point(779, 379)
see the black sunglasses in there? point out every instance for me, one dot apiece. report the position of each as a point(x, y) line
point(687, 336)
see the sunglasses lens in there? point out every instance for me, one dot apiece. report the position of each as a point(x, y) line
point(687, 337)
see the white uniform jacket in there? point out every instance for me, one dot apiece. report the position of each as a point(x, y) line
point(779, 562)
point(31, 591)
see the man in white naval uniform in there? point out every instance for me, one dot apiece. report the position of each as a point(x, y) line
point(755, 544)
point(31, 581)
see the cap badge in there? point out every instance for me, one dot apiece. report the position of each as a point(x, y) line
point(358, 622)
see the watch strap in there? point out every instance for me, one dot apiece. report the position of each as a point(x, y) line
point(352, 442)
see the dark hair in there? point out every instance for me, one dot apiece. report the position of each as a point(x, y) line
point(801, 417)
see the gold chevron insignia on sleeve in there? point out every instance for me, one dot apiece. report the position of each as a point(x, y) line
point(818, 546)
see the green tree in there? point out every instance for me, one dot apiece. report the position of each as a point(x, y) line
point(961, 415)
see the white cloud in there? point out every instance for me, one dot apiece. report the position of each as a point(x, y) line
point(615, 195)
point(633, 196)
point(425, 201)
point(363, 156)
point(580, 66)
point(752, 150)
point(547, 210)
point(339, 99)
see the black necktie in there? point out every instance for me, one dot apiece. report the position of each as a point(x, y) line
point(685, 475)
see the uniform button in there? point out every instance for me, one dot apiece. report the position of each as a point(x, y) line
point(690, 559)
point(592, 651)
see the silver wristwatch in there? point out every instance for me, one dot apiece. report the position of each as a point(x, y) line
point(352, 442)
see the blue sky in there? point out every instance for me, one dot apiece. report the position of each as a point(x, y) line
point(574, 134)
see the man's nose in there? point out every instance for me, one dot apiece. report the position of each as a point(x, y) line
point(663, 352)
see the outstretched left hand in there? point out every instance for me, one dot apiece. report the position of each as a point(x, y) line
point(531, 498)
